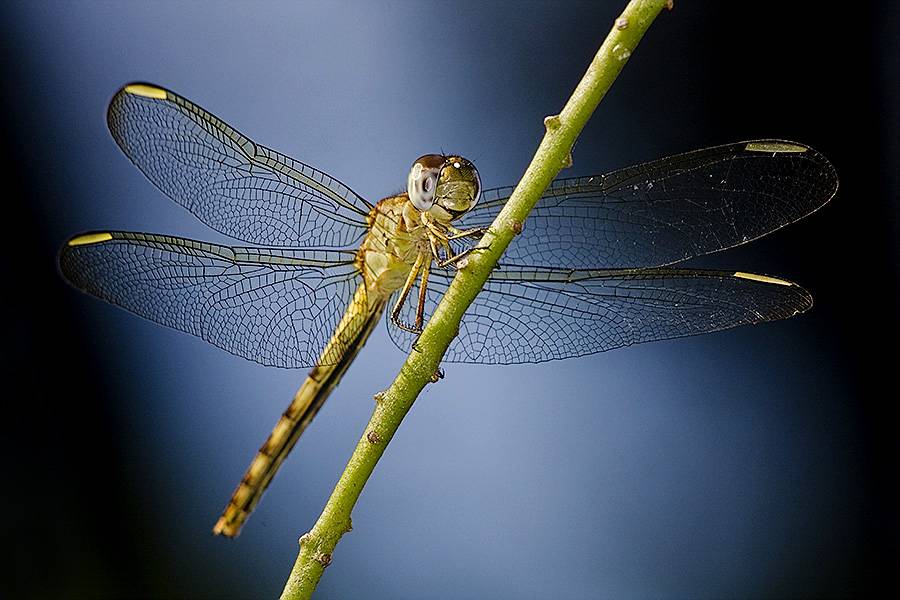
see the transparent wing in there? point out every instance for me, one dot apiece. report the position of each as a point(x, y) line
point(529, 315)
point(277, 307)
point(235, 186)
point(668, 210)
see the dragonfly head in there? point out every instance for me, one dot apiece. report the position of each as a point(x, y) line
point(446, 187)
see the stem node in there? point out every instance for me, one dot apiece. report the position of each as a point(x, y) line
point(323, 558)
point(552, 122)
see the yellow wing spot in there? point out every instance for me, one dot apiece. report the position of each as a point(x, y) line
point(148, 91)
point(90, 238)
point(761, 278)
point(775, 147)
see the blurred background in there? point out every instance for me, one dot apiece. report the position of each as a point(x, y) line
point(758, 462)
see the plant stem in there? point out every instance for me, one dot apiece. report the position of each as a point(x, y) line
point(553, 154)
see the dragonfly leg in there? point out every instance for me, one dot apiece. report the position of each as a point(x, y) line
point(439, 236)
point(404, 294)
point(475, 232)
point(433, 242)
point(423, 291)
point(457, 257)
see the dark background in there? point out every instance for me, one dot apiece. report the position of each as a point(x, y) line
point(758, 462)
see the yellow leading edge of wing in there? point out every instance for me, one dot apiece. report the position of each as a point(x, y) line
point(90, 238)
point(761, 278)
point(148, 91)
point(775, 147)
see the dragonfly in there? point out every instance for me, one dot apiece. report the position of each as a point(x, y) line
point(594, 268)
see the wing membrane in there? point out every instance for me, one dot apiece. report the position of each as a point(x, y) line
point(278, 307)
point(530, 315)
point(237, 187)
point(668, 210)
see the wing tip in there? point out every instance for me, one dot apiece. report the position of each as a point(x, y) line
point(827, 171)
point(802, 299)
point(86, 239)
point(776, 146)
point(146, 90)
point(763, 278)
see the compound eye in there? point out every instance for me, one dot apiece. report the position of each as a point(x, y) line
point(421, 184)
point(477, 195)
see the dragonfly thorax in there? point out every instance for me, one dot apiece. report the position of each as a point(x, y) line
point(445, 187)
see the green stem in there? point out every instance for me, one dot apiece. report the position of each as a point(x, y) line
point(553, 154)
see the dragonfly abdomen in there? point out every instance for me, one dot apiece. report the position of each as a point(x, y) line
point(351, 334)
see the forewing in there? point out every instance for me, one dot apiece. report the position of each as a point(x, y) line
point(237, 187)
point(528, 315)
point(277, 307)
point(668, 210)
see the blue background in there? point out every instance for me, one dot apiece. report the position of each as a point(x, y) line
point(752, 463)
